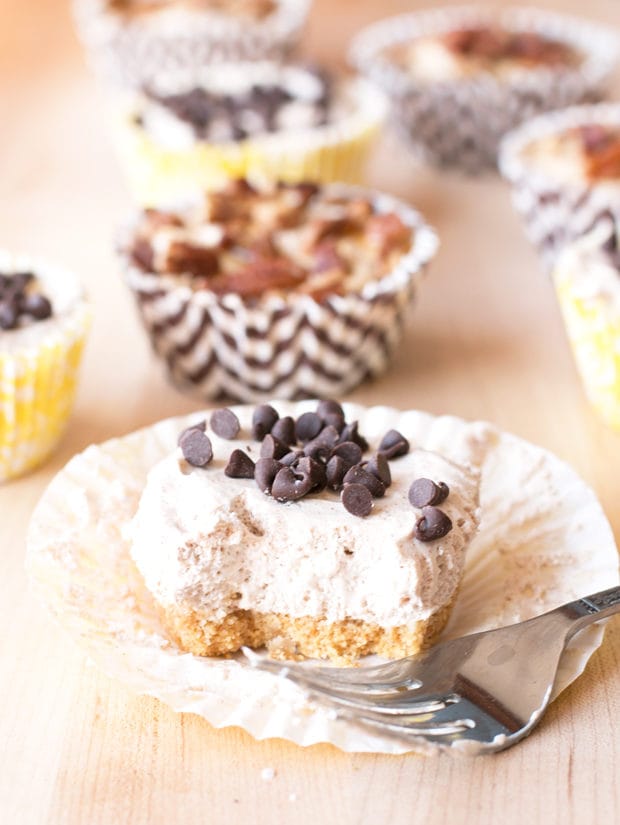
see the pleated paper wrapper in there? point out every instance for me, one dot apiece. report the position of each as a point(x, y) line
point(534, 551)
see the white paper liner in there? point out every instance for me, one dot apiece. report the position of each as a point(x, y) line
point(137, 52)
point(460, 123)
point(544, 540)
point(554, 211)
point(302, 347)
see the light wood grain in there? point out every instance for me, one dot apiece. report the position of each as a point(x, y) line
point(487, 341)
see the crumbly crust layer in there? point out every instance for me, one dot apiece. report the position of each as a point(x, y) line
point(288, 637)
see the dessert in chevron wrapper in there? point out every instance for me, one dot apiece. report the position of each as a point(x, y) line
point(289, 122)
point(292, 290)
point(137, 42)
point(460, 78)
point(564, 168)
point(587, 280)
point(43, 324)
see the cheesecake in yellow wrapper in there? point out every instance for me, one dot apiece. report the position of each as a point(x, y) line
point(43, 324)
point(587, 280)
point(260, 121)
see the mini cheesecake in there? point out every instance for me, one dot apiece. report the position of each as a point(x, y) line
point(311, 541)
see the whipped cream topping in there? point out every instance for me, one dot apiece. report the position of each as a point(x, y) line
point(206, 542)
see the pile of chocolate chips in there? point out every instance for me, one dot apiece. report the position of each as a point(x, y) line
point(254, 112)
point(17, 303)
point(319, 450)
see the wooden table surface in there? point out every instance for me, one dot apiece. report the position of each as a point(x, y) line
point(486, 342)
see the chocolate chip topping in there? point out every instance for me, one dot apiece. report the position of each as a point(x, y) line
point(240, 465)
point(424, 491)
point(196, 447)
point(350, 433)
point(379, 466)
point(292, 457)
point(17, 303)
point(308, 426)
point(273, 448)
point(225, 424)
point(263, 419)
point(335, 469)
point(329, 407)
point(349, 451)
point(358, 475)
point(357, 499)
point(393, 444)
point(199, 425)
point(433, 524)
point(289, 486)
point(265, 471)
point(314, 470)
point(284, 430)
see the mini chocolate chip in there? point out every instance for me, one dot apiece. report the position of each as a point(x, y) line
point(199, 425)
point(379, 466)
point(357, 499)
point(358, 475)
point(196, 447)
point(317, 449)
point(284, 430)
point(240, 465)
point(423, 492)
point(329, 407)
point(350, 433)
point(308, 426)
point(8, 315)
point(291, 458)
point(273, 448)
point(334, 420)
point(335, 472)
point(263, 419)
point(349, 451)
point(433, 524)
point(225, 424)
point(444, 491)
point(36, 305)
point(315, 470)
point(265, 470)
point(394, 444)
point(287, 486)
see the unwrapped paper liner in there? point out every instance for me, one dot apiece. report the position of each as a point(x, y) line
point(533, 552)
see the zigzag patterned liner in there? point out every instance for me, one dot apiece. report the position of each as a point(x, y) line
point(556, 212)
point(137, 53)
point(285, 345)
point(460, 123)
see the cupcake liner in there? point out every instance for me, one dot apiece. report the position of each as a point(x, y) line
point(335, 152)
point(38, 378)
point(591, 313)
point(525, 559)
point(288, 345)
point(138, 52)
point(460, 123)
point(555, 212)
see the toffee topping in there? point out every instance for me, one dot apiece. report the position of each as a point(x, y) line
point(20, 302)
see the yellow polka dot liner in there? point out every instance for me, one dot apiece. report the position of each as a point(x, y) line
point(588, 288)
point(39, 369)
point(337, 151)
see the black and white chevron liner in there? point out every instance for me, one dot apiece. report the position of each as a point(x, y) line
point(460, 123)
point(139, 52)
point(282, 345)
point(556, 212)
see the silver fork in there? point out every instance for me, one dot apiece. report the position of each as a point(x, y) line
point(479, 693)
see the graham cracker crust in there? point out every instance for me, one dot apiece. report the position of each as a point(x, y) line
point(288, 637)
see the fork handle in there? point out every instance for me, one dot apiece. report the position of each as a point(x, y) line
point(590, 609)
